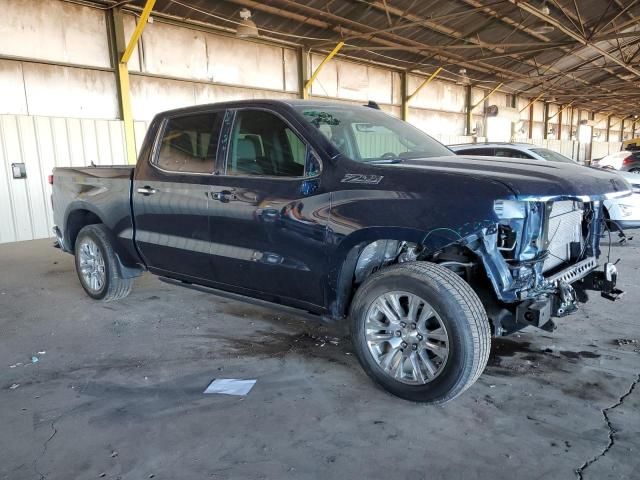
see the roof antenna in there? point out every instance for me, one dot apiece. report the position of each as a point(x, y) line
point(372, 104)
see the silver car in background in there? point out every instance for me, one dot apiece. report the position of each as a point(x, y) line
point(624, 212)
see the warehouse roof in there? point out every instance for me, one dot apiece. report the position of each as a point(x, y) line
point(586, 51)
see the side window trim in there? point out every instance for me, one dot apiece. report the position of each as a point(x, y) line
point(153, 158)
point(227, 153)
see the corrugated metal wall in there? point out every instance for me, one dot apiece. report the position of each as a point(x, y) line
point(42, 143)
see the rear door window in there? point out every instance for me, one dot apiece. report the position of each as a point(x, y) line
point(485, 151)
point(511, 153)
point(190, 143)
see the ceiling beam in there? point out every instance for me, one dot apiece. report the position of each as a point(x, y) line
point(556, 24)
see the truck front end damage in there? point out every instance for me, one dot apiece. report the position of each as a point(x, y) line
point(541, 259)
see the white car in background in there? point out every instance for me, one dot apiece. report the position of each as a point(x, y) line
point(624, 213)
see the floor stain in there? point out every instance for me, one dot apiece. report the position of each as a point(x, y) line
point(524, 359)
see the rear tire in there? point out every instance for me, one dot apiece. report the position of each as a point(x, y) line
point(97, 265)
point(432, 320)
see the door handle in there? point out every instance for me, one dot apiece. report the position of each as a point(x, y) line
point(146, 190)
point(222, 196)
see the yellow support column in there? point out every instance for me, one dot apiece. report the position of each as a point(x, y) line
point(405, 103)
point(127, 115)
point(307, 86)
point(123, 81)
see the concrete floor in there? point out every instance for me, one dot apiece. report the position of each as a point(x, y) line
point(118, 393)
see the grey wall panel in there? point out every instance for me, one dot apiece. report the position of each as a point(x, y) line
point(12, 94)
point(27, 194)
point(140, 129)
point(70, 92)
point(290, 70)
point(437, 123)
point(118, 147)
point(175, 51)
point(8, 227)
point(246, 63)
point(353, 81)
point(396, 88)
point(326, 83)
point(43, 143)
point(152, 95)
point(538, 112)
point(54, 31)
point(380, 88)
point(129, 22)
point(439, 95)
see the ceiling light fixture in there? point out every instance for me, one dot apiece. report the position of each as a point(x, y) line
point(247, 27)
point(543, 27)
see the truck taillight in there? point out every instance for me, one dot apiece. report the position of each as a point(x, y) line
point(50, 179)
point(627, 160)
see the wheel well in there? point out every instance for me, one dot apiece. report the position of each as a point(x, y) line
point(367, 258)
point(76, 221)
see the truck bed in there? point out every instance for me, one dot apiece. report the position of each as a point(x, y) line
point(101, 192)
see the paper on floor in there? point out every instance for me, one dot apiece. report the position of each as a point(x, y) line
point(230, 386)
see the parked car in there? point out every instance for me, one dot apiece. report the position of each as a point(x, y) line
point(625, 161)
point(345, 212)
point(624, 213)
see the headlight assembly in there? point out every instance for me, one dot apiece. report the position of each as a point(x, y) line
point(510, 209)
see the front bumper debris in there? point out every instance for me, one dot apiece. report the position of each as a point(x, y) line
point(604, 281)
point(570, 289)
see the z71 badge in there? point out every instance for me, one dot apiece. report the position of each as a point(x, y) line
point(360, 178)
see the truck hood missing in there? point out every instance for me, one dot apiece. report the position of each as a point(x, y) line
point(530, 179)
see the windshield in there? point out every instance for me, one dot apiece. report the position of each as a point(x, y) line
point(367, 135)
point(551, 155)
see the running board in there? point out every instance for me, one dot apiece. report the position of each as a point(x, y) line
point(245, 299)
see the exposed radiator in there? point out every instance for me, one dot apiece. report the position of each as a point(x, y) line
point(565, 226)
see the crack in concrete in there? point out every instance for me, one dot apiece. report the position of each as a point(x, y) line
point(612, 431)
point(44, 450)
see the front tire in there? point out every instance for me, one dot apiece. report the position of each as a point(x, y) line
point(97, 265)
point(420, 332)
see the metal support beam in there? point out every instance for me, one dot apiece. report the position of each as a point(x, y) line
point(468, 107)
point(532, 102)
point(606, 134)
point(488, 95)
point(404, 88)
point(546, 120)
point(303, 70)
point(622, 129)
point(405, 103)
point(530, 120)
point(570, 33)
point(559, 112)
point(142, 22)
point(559, 132)
point(124, 54)
point(316, 72)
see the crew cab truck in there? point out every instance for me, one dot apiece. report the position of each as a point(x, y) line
point(346, 213)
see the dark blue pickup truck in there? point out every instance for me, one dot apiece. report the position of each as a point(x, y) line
point(346, 212)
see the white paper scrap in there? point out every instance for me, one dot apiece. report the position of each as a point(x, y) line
point(230, 386)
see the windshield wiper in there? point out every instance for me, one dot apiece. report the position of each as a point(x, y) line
point(386, 160)
point(410, 155)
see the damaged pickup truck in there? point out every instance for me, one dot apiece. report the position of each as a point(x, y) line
point(345, 212)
